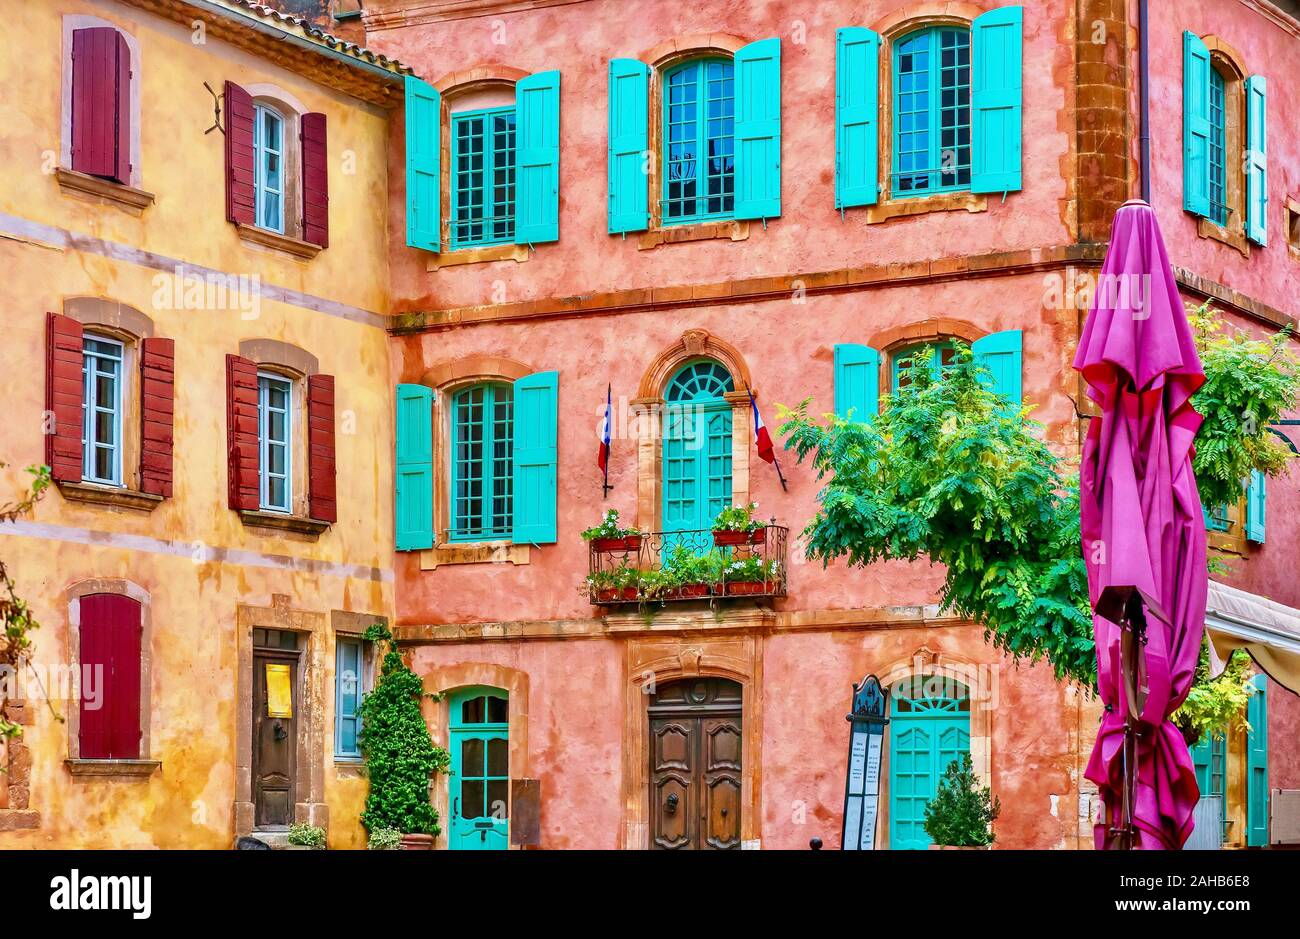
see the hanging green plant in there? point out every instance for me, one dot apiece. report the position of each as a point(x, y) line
point(1216, 706)
point(400, 755)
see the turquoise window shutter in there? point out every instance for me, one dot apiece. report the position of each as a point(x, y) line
point(1257, 766)
point(1256, 506)
point(1001, 354)
point(1256, 160)
point(996, 40)
point(537, 174)
point(413, 496)
point(857, 381)
point(536, 437)
point(1196, 125)
point(629, 139)
point(857, 149)
point(423, 165)
point(758, 130)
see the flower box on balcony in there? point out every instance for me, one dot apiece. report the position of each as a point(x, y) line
point(626, 543)
point(617, 594)
point(750, 588)
point(725, 539)
point(688, 592)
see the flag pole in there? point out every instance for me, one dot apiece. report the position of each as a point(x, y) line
point(753, 408)
point(609, 431)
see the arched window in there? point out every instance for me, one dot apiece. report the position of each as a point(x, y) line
point(482, 462)
point(480, 769)
point(932, 111)
point(269, 159)
point(1218, 148)
point(103, 366)
point(940, 358)
point(929, 728)
point(696, 446)
point(699, 148)
point(483, 177)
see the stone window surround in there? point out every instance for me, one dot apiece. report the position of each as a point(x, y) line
point(1291, 225)
point(290, 240)
point(145, 765)
point(891, 28)
point(344, 624)
point(446, 378)
point(470, 89)
point(71, 23)
point(115, 320)
point(1229, 63)
point(310, 806)
point(437, 715)
point(647, 407)
point(892, 342)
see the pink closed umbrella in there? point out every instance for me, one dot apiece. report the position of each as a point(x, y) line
point(1143, 535)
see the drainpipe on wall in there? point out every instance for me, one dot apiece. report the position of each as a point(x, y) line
point(1144, 76)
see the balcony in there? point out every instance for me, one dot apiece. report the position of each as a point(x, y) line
point(701, 565)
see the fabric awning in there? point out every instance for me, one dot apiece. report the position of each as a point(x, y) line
point(1268, 630)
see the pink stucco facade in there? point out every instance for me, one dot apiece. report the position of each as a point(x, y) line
point(605, 309)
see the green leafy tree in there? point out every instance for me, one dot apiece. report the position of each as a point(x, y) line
point(962, 812)
point(400, 755)
point(946, 472)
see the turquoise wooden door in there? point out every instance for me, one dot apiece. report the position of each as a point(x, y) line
point(929, 728)
point(1257, 766)
point(480, 770)
point(696, 449)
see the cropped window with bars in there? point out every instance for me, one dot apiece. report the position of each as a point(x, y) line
point(101, 403)
point(482, 462)
point(932, 112)
point(699, 141)
point(483, 177)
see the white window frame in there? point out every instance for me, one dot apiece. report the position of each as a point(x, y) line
point(90, 404)
point(264, 443)
point(261, 152)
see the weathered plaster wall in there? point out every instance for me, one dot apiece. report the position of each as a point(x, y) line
point(192, 554)
point(1271, 274)
point(579, 39)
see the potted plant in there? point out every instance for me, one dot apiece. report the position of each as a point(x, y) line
point(736, 525)
point(608, 536)
point(622, 583)
point(685, 575)
point(961, 814)
point(750, 576)
point(385, 839)
point(306, 838)
point(399, 753)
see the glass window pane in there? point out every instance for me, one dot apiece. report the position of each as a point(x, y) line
point(498, 710)
point(471, 711)
point(498, 758)
point(472, 798)
point(498, 798)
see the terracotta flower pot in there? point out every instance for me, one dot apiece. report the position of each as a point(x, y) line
point(961, 847)
point(627, 543)
point(693, 591)
point(724, 539)
point(414, 842)
point(747, 588)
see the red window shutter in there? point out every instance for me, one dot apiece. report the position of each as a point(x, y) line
point(157, 391)
point(241, 433)
point(101, 103)
point(315, 181)
point(240, 175)
point(63, 397)
point(110, 633)
point(320, 443)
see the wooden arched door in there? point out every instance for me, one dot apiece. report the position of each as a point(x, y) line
point(695, 760)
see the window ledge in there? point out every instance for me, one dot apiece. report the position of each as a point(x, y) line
point(124, 197)
point(121, 768)
point(487, 552)
point(278, 522)
point(510, 252)
point(251, 234)
point(729, 230)
point(348, 768)
point(1233, 239)
point(886, 209)
point(117, 496)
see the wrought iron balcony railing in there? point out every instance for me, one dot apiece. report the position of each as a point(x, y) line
point(669, 566)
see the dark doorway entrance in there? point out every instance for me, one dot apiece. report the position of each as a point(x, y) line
point(695, 765)
point(275, 726)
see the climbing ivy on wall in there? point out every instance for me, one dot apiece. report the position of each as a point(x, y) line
point(16, 621)
point(400, 755)
point(946, 473)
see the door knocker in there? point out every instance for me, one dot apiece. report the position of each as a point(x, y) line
point(671, 807)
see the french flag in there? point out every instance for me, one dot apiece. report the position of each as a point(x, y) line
point(761, 437)
point(602, 460)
